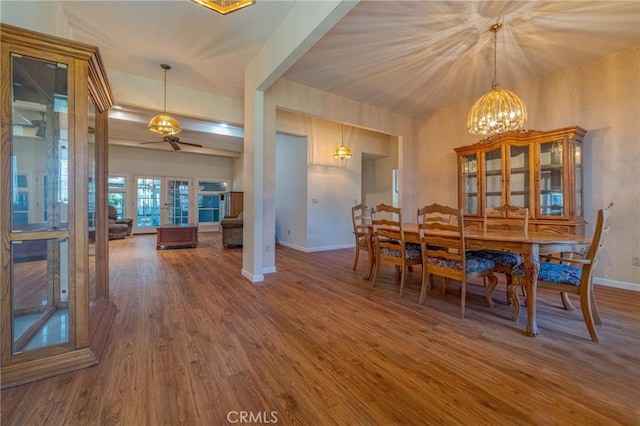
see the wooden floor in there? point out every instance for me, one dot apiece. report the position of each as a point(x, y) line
point(194, 343)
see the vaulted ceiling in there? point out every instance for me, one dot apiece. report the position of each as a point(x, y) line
point(410, 57)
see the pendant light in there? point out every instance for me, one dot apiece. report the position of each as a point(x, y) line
point(498, 110)
point(224, 6)
point(342, 152)
point(162, 123)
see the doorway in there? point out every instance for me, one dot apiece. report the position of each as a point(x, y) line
point(161, 200)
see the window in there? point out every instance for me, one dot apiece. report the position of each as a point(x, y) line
point(20, 200)
point(209, 201)
point(117, 194)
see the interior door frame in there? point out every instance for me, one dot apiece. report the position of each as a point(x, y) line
point(164, 200)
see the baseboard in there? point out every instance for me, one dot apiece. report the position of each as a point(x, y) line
point(269, 270)
point(253, 278)
point(617, 284)
point(314, 249)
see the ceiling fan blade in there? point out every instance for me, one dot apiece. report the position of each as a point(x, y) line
point(191, 144)
point(175, 146)
point(145, 143)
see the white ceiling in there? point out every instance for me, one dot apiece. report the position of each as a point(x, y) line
point(410, 57)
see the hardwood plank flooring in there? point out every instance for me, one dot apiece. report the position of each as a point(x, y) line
point(194, 343)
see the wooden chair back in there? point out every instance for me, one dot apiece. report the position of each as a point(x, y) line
point(442, 241)
point(389, 242)
point(506, 217)
point(361, 218)
point(386, 222)
point(437, 218)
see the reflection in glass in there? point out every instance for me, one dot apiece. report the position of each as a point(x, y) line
point(148, 202)
point(578, 177)
point(39, 145)
point(493, 178)
point(470, 184)
point(93, 219)
point(178, 201)
point(551, 180)
point(519, 176)
point(40, 289)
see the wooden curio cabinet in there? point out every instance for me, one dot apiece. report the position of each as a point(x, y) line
point(55, 313)
point(539, 170)
point(231, 203)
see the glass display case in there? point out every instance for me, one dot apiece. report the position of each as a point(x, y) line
point(539, 170)
point(54, 102)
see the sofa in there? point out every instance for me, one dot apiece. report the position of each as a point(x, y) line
point(119, 228)
point(231, 231)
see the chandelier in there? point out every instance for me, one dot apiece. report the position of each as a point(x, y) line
point(224, 6)
point(342, 152)
point(498, 110)
point(162, 123)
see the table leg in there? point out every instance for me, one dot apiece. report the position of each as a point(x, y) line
point(531, 259)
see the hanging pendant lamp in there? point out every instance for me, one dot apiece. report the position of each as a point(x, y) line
point(498, 110)
point(162, 123)
point(342, 152)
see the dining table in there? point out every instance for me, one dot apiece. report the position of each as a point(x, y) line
point(530, 245)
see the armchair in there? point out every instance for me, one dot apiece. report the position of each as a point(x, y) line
point(119, 228)
point(231, 231)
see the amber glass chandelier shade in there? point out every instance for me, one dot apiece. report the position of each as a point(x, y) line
point(342, 152)
point(498, 110)
point(224, 6)
point(164, 125)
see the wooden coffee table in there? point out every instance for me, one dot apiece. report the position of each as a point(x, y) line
point(177, 236)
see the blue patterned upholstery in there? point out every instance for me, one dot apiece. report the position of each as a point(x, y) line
point(501, 258)
point(554, 272)
point(473, 263)
point(413, 251)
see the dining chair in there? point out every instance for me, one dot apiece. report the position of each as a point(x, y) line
point(389, 242)
point(505, 217)
point(361, 218)
point(570, 275)
point(442, 242)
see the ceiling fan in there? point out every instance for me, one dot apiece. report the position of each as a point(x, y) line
point(173, 141)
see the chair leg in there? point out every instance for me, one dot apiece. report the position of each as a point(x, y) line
point(493, 282)
point(509, 284)
point(585, 304)
point(402, 275)
point(355, 261)
point(423, 288)
point(515, 300)
point(566, 302)
point(375, 271)
point(594, 308)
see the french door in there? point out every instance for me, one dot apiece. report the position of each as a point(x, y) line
point(161, 200)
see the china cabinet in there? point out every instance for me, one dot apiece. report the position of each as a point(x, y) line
point(55, 308)
point(539, 170)
point(231, 203)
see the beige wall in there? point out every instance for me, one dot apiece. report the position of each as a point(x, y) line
point(603, 97)
point(334, 185)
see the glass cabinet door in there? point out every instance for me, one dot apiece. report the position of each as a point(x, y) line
point(39, 170)
point(551, 179)
point(519, 189)
point(469, 173)
point(493, 178)
point(577, 155)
